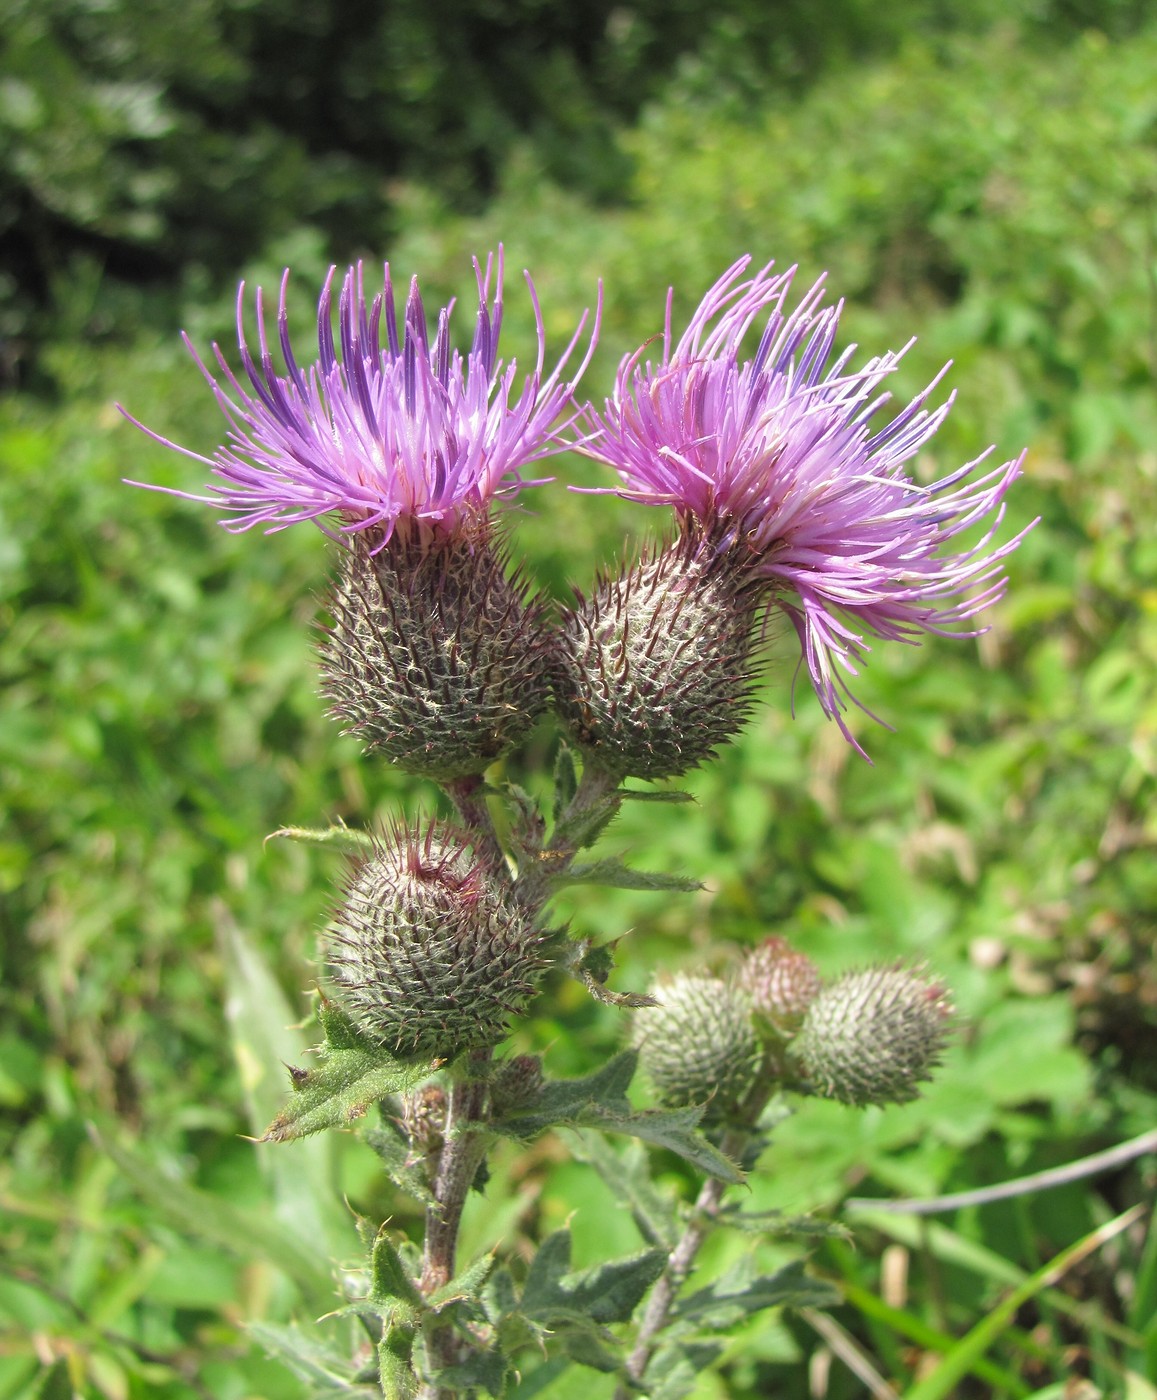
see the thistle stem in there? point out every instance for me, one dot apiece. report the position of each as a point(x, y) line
point(466, 794)
point(463, 1151)
point(703, 1217)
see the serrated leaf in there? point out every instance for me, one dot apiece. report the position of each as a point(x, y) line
point(737, 1295)
point(600, 1101)
point(343, 837)
point(354, 1073)
point(774, 1222)
point(628, 1176)
point(549, 1266)
point(604, 1293)
point(631, 795)
point(614, 873)
point(391, 1287)
point(500, 1296)
point(393, 1152)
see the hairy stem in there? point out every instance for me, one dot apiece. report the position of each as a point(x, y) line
point(702, 1222)
point(594, 805)
point(467, 796)
point(463, 1151)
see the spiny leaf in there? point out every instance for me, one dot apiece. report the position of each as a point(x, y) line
point(355, 1073)
point(737, 1295)
point(483, 1369)
point(467, 1284)
point(614, 873)
point(631, 795)
point(391, 1287)
point(395, 1369)
point(343, 837)
point(600, 1101)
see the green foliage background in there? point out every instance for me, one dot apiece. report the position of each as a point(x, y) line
point(983, 176)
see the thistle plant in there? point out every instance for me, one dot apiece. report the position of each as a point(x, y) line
point(787, 494)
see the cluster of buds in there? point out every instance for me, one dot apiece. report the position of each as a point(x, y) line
point(868, 1037)
point(440, 659)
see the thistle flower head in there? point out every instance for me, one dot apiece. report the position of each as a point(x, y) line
point(385, 427)
point(776, 457)
point(871, 1037)
point(698, 1044)
point(428, 951)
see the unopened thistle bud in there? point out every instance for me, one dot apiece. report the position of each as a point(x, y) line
point(435, 658)
point(428, 952)
point(872, 1036)
point(698, 1045)
point(782, 984)
point(655, 668)
point(515, 1083)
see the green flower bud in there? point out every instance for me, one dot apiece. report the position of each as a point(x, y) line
point(429, 953)
point(873, 1036)
point(698, 1045)
point(782, 984)
point(655, 669)
point(515, 1083)
point(435, 658)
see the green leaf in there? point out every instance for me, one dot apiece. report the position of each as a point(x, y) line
point(391, 1287)
point(631, 795)
point(600, 1101)
point(628, 1176)
point(484, 1370)
point(393, 1152)
point(604, 1293)
point(309, 1358)
point(246, 1233)
point(945, 1379)
point(395, 1367)
point(343, 837)
point(776, 1223)
point(675, 1368)
point(467, 1284)
point(614, 873)
point(355, 1073)
point(565, 780)
point(737, 1295)
point(264, 1037)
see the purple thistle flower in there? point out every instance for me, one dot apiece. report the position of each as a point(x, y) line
point(775, 456)
point(404, 430)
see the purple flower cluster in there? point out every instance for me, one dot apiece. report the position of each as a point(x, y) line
point(774, 458)
point(404, 430)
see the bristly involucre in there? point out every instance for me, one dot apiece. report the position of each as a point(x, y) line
point(654, 670)
point(429, 952)
point(775, 456)
point(435, 658)
point(380, 432)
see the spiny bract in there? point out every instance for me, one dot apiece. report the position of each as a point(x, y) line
point(435, 659)
point(872, 1036)
point(698, 1045)
point(655, 669)
point(428, 952)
